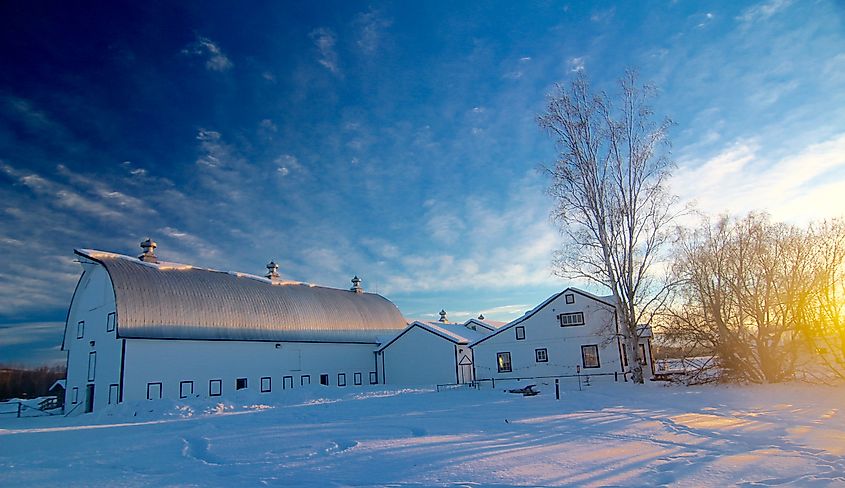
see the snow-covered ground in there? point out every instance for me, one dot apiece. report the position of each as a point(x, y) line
point(608, 434)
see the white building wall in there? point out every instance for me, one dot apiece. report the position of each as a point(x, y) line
point(563, 344)
point(419, 357)
point(170, 362)
point(92, 304)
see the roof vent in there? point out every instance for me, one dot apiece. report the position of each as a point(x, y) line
point(356, 285)
point(149, 247)
point(272, 271)
point(442, 315)
point(481, 316)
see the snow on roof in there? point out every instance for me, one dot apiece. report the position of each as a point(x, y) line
point(177, 301)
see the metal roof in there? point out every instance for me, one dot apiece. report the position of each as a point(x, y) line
point(175, 301)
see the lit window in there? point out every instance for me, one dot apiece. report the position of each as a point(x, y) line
point(341, 379)
point(570, 298)
point(265, 384)
point(520, 333)
point(186, 389)
point(80, 329)
point(503, 360)
point(215, 387)
point(92, 365)
point(570, 319)
point(541, 355)
point(240, 384)
point(590, 356)
point(356, 378)
point(110, 322)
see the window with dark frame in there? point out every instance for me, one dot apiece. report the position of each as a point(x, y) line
point(571, 319)
point(92, 365)
point(305, 380)
point(520, 333)
point(75, 395)
point(110, 322)
point(324, 379)
point(541, 355)
point(215, 387)
point(240, 384)
point(114, 393)
point(357, 378)
point(154, 391)
point(341, 379)
point(373, 378)
point(266, 384)
point(643, 360)
point(503, 361)
point(570, 298)
point(186, 389)
point(590, 356)
point(80, 329)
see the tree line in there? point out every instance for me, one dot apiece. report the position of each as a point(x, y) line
point(18, 382)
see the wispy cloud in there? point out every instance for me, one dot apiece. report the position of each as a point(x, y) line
point(324, 39)
point(576, 64)
point(371, 25)
point(206, 49)
point(762, 11)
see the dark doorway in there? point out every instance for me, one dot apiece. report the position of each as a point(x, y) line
point(89, 398)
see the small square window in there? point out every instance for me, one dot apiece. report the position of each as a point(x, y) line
point(266, 383)
point(186, 389)
point(305, 379)
point(590, 356)
point(153, 391)
point(357, 379)
point(341, 379)
point(541, 355)
point(373, 378)
point(240, 384)
point(520, 333)
point(215, 387)
point(503, 361)
point(570, 298)
point(110, 322)
point(324, 379)
point(80, 329)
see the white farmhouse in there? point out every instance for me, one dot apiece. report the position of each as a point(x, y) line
point(427, 353)
point(571, 332)
point(142, 329)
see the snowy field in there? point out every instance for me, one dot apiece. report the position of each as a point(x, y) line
point(614, 434)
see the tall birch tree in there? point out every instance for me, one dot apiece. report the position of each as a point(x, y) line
point(612, 203)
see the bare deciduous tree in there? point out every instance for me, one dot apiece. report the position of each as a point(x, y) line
point(610, 188)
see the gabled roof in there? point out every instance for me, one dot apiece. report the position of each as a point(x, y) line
point(177, 301)
point(452, 332)
point(542, 305)
point(479, 323)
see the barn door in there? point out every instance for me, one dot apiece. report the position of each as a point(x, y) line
point(89, 398)
point(465, 367)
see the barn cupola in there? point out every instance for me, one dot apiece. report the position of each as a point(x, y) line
point(149, 254)
point(272, 271)
point(356, 285)
point(442, 315)
point(481, 316)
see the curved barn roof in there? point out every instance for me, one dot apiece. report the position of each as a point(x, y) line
point(175, 301)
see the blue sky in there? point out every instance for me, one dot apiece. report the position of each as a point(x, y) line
point(395, 141)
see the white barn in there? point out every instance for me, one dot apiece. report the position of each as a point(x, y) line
point(571, 332)
point(427, 353)
point(142, 329)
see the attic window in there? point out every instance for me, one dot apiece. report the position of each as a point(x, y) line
point(571, 319)
point(520, 333)
point(570, 298)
